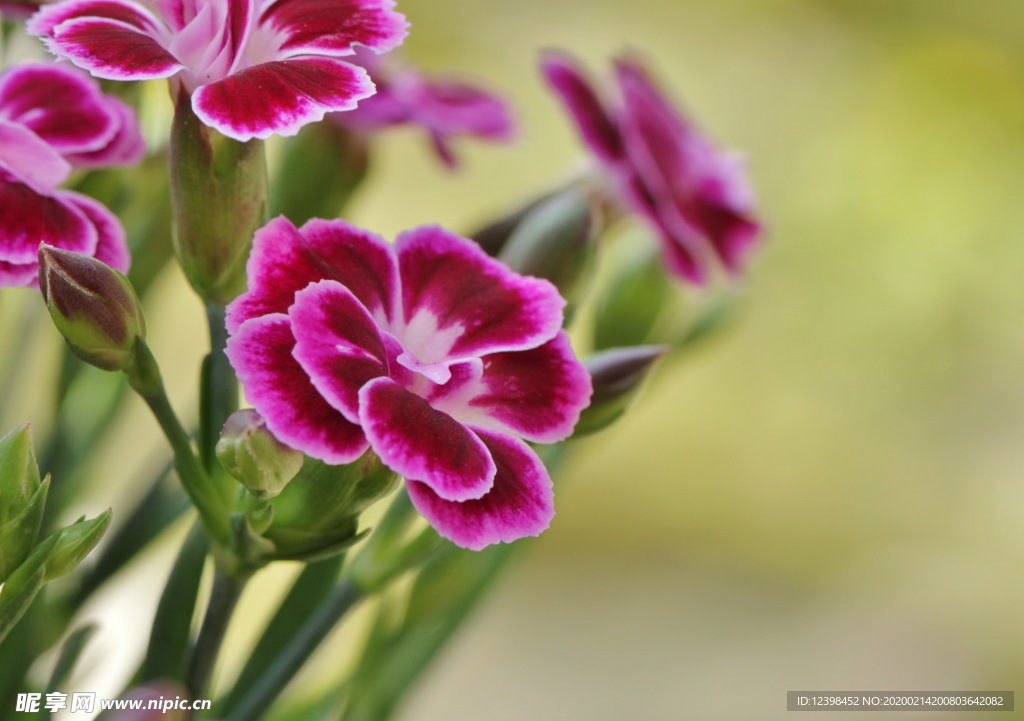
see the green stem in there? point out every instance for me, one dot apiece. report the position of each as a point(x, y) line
point(144, 378)
point(219, 393)
point(223, 598)
point(294, 655)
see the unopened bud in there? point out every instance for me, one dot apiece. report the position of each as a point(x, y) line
point(554, 241)
point(634, 301)
point(254, 457)
point(616, 375)
point(74, 543)
point(317, 515)
point(22, 498)
point(19, 474)
point(219, 199)
point(93, 306)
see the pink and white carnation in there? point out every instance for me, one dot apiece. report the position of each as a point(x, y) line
point(54, 119)
point(445, 107)
point(434, 355)
point(253, 68)
point(694, 197)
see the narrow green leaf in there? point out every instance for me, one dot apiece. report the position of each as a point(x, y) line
point(69, 653)
point(313, 584)
point(172, 625)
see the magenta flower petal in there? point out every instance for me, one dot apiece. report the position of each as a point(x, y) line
point(458, 302)
point(292, 93)
point(533, 393)
point(50, 15)
point(125, 148)
point(441, 355)
point(127, 54)
point(598, 131)
point(445, 108)
point(17, 275)
point(63, 106)
point(30, 219)
point(423, 444)
point(277, 386)
point(520, 504)
point(285, 260)
point(111, 245)
point(31, 159)
point(332, 26)
point(695, 198)
point(337, 343)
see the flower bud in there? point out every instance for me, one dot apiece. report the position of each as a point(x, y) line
point(317, 515)
point(254, 457)
point(22, 499)
point(219, 199)
point(492, 238)
point(634, 301)
point(93, 306)
point(74, 543)
point(554, 241)
point(616, 375)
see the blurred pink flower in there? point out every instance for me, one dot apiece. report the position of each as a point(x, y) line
point(444, 107)
point(696, 198)
point(53, 119)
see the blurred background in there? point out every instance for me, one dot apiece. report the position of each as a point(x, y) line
point(829, 495)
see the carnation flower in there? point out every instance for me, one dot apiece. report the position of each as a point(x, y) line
point(695, 198)
point(253, 68)
point(445, 107)
point(439, 358)
point(54, 119)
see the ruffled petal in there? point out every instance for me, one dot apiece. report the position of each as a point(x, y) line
point(112, 49)
point(277, 386)
point(724, 210)
point(331, 27)
point(284, 260)
point(701, 195)
point(459, 303)
point(291, 94)
point(111, 245)
point(520, 504)
point(125, 148)
point(212, 42)
point(336, 343)
point(132, 14)
point(30, 159)
point(592, 119)
point(18, 275)
point(536, 394)
point(30, 219)
point(423, 444)
point(61, 105)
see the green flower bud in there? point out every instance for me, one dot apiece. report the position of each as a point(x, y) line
point(616, 375)
point(320, 170)
point(18, 534)
point(554, 241)
point(219, 200)
point(254, 457)
point(634, 300)
point(74, 543)
point(19, 474)
point(93, 306)
point(22, 499)
point(317, 515)
point(492, 238)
